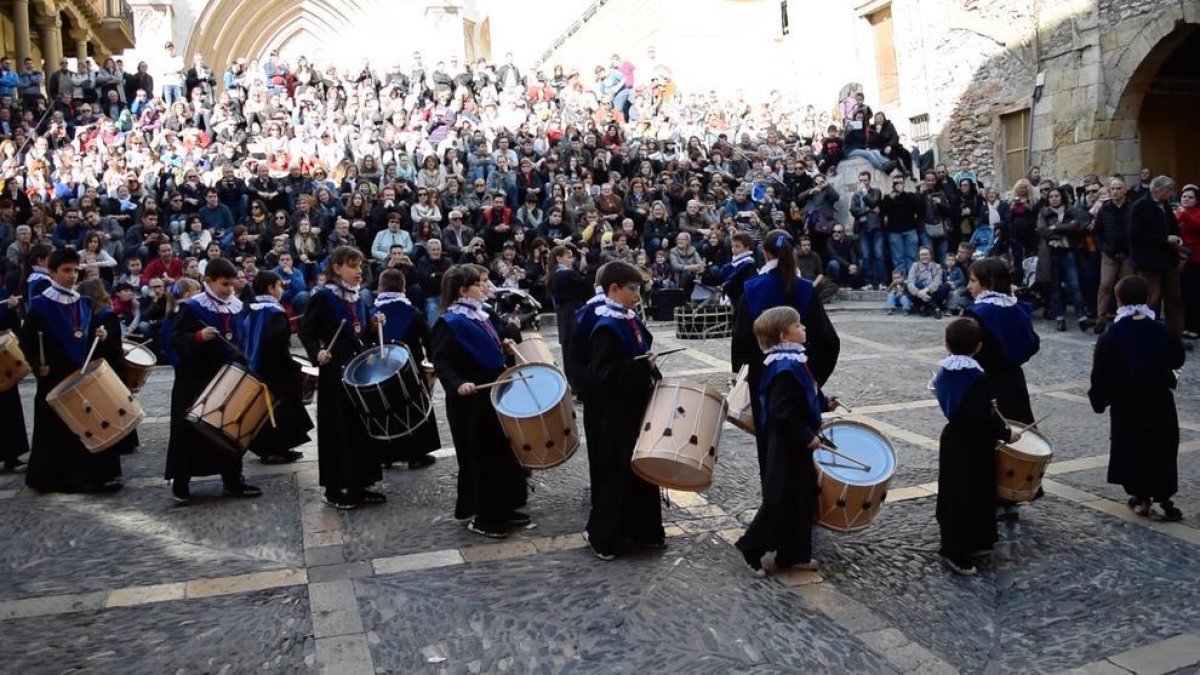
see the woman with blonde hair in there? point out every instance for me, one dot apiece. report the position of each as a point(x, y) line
point(1021, 238)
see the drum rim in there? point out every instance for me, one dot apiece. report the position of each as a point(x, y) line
point(864, 426)
point(509, 372)
point(1031, 431)
point(130, 347)
point(704, 389)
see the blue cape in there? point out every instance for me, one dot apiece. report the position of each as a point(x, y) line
point(58, 320)
point(952, 386)
point(792, 368)
point(625, 330)
point(766, 291)
point(400, 316)
point(1012, 327)
point(478, 339)
point(255, 324)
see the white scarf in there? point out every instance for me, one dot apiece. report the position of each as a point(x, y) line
point(388, 297)
point(960, 362)
point(997, 299)
point(613, 310)
point(209, 300)
point(745, 257)
point(786, 351)
point(346, 293)
point(1126, 311)
point(468, 307)
point(262, 302)
point(770, 267)
point(61, 294)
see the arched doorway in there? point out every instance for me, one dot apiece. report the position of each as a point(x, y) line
point(1170, 136)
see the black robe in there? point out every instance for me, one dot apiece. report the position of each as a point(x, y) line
point(346, 457)
point(189, 453)
point(1132, 376)
point(57, 459)
point(111, 350)
point(491, 482)
point(967, 463)
point(407, 325)
point(268, 351)
point(623, 505)
point(784, 520)
point(571, 289)
point(12, 416)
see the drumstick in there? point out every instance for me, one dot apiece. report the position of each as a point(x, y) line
point(42, 348)
point(270, 408)
point(929, 385)
point(1034, 423)
point(861, 465)
point(506, 380)
point(667, 352)
point(336, 333)
point(91, 351)
point(843, 406)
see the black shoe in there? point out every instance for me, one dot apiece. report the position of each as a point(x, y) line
point(1140, 506)
point(651, 544)
point(1060, 324)
point(889, 166)
point(1100, 327)
point(754, 561)
point(242, 490)
point(489, 531)
point(1171, 513)
point(960, 567)
point(1085, 323)
point(369, 497)
point(518, 519)
point(181, 492)
point(340, 500)
point(111, 486)
point(606, 557)
point(13, 466)
point(937, 313)
point(280, 458)
point(422, 462)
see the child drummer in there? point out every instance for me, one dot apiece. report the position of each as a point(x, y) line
point(622, 374)
point(334, 329)
point(12, 415)
point(56, 338)
point(1133, 376)
point(268, 341)
point(204, 335)
point(967, 450)
point(406, 325)
point(789, 421)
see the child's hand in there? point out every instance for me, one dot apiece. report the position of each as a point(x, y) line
point(831, 403)
point(1014, 436)
point(814, 443)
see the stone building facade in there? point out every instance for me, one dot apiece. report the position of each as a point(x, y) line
point(48, 30)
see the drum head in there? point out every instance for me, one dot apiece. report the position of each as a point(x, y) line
point(865, 445)
point(1033, 444)
point(138, 355)
point(543, 390)
point(376, 365)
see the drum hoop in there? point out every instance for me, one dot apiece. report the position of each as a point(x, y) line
point(509, 372)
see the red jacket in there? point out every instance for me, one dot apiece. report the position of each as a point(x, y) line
point(1189, 231)
point(156, 269)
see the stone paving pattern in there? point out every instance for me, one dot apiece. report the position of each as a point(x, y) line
point(132, 583)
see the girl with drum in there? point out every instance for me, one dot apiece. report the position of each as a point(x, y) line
point(569, 288)
point(55, 338)
point(268, 354)
point(1009, 341)
point(467, 351)
point(110, 348)
point(12, 415)
point(204, 335)
point(348, 463)
point(788, 424)
point(778, 284)
point(406, 325)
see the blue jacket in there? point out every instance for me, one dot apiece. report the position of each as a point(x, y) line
point(292, 283)
point(9, 81)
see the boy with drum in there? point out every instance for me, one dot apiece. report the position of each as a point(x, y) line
point(204, 335)
point(622, 374)
point(788, 424)
point(12, 415)
point(268, 344)
point(406, 325)
point(967, 450)
point(56, 337)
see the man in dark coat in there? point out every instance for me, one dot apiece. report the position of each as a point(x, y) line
point(1153, 238)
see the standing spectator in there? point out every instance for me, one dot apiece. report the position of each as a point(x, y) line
point(1020, 239)
point(901, 213)
point(1153, 238)
point(1188, 215)
point(173, 74)
point(1059, 240)
point(868, 226)
point(1111, 229)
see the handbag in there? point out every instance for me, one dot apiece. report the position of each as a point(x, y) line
point(935, 230)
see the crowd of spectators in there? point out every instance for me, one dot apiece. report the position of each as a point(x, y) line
point(274, 164)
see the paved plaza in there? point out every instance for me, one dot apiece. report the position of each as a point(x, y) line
point(132, 583)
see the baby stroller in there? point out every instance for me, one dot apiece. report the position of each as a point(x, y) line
point(514, 303)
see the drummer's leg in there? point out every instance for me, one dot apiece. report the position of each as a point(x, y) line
point(642, 511)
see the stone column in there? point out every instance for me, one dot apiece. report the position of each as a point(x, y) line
point(81, 49)
point(20, 10)
point(50, 29)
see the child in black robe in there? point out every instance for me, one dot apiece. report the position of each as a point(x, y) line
point(468, 351)
point(404, 324)
point(56, 338)
point(110, 348)
point(788, 424)
point(570, 289)
point(268, 354)
point(967, 450)
point(347, 460)
point(204, 334)
point(624, 507)
point(12, 415)
point(38, 279)
point(1133, 376)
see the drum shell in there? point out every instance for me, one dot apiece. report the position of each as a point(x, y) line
point(393, 408)
point(545, 440)
point(136, 373)
point(231, 409)
point(680, 433)
point(1018, 473)
point(533, 349)
point(430, 374)
point(96, 406)
point(13, 366)
point(310, 377)
point(845, 507)
point(740, 414)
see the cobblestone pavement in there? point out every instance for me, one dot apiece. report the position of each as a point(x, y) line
point(132, 583)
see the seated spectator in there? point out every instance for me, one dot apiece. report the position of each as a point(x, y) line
point(392, 236)
point(810, 266)
point(955, 273)
point(125, 305)
point(166, 266)
point(897, 294)
point(858, 136)
point(660, 272)
point(686, 262)
point(841, 259)
point(295, 288)
point(925, 286)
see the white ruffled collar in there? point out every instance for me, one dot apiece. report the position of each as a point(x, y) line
point(61, 294)
point(770, 267)
point(1126, 311)
point(596, 299)
point(38, 272)
point(960, 362)
point(560, 267)
point(746, 257)
point(388, 297)
point(469, 307)
point(997, 299)
point(613, 310)
point(346, 293)
point(209, 300)
point(786, 351)
point(262, 302)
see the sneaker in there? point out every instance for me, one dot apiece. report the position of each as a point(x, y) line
point(754, 562)
point(653, 545)
point(488, 531)
point(1190, 335)
point(908, 312)
point(518, 519)
point(937, 313)
point(981, 553)
point(180, 491)
point(891, 311)
point(1140, 506)
point(279, 458)
point(111, 486)
point(422, 462)
point(340, 500)
point(606, 557)
point(242, 490)
point(369, 497)
point(1060, 324)
point(1171, 513)
point(13, 466)
point(964, 569)
point(1085, 323)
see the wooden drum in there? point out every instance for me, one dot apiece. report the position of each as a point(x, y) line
point(850, 493)
point(740, 414)
point(96, 406)
point(13, 366)
point(139, 361)
point(310, 377)
point(538, 415)
point(1021, 465)
point(677, 447)
point(231, 409)
point(533, 349)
